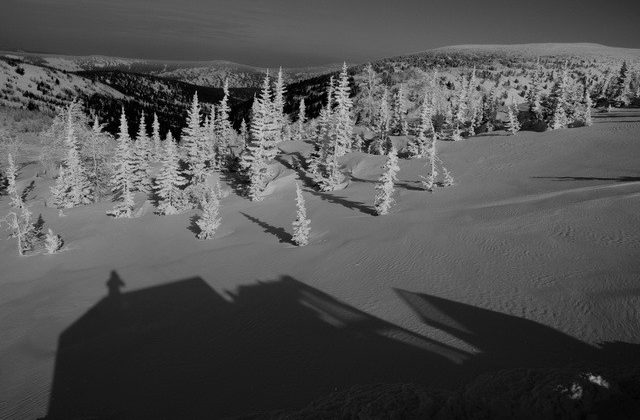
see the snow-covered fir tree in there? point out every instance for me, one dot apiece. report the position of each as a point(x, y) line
point(253, 160)
point(72, 188)
point(385, 186)
point(513, 126)
point(343, 120)
point(266, 123)
point(213, 146)
point(534, 94)
point(193, 144)
point(367, 105)
point(141, 158)
point(587, 119)
point(302, 118)
point(301, 226)
point(21, 228)
point(428, 181)
point(383, 125)
point(96, 152)
point(171, 198)
point(418, 146)
point(16, 200)
point(122, 179)
point(398, 119)
point(224, 130)
point(279, 92)
point(244, 134)
point(210, 219)
point(155, 137)
point(53, 242)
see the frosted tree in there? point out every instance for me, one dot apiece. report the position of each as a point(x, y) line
point(398, 121)
point(96, 152)
point(534, 94)
point(302, 118)
point(382, 125)
point(385, 186)
point(278, 102)
point(253, 160)
point(155, 137)
point(448, 178)
point(244, 134)
point(266, 122)
point(301, 226)
point(588, 121)
point(141, 158)
point(343, 121)
point(214, 150)
point(16, 200)
point(53, 242)
point(170, 180)
point(513, 126)
point(428, 181)
point(193, 144)
point(418, 146)
point(223, 128)
point(72, 187)
point(22, 228)
point(462, 108)
point(560, 119)
point(210, 219)
point(367, 105)
point(122, 179)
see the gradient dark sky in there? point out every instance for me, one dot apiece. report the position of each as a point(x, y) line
point(302, 32)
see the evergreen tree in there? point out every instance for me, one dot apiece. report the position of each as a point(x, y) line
point(513, 126)
point(266, 123)
point(193, 144)
point(96, 152)
point(253, 159)
point(141, 158)
point(155, 136)
point(301, 226)
point(22, 229)
point(343, 122)
point(210, 219)
point(385, 186)
point(171, 198)
point(383, 125)
point(224, 130)
point(302, 118)
point(398, 120)
point(53, 242)
point(16, 200)
point(418, 146)
point(244, 134)
point(122, 179)
point(278, 103)
point(72, 187)
point(588, 121)
point(428, 181)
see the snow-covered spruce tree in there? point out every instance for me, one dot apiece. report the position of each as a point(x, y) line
point(398, 120)
point(382, 124)
point(210, 219)
point(155, 137)
point(302, 118)
point(122, 179)
point(16, 200)
point(223, 129)
point(279, 116)
point(141, 158)
point(301, 226)
point(171, 199)
point(534, 93)
point(343, 121)
point(513, 126)
point(586, 116)
point(330, 175)
point(385, 186)
point(22, 228)
point(367, 105)
point(213, 147)
point(264, 114)
point(53, 242)
point(72, 187)
point(95, 151)
point(192, 144)
point(244, 134)
point(253, 159)
point(418, 146)
point(560, 117)
point(428, 181)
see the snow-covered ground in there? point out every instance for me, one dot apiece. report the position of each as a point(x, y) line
point(530, 260)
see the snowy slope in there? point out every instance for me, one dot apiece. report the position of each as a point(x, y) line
point(531, 260)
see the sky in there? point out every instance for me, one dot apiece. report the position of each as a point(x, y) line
point(304, 32)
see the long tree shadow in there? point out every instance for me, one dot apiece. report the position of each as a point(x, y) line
point(589, 178)
point(296, 164)
point(282, 235)
point(181, 350)
point(352, 205)
point(407, 185)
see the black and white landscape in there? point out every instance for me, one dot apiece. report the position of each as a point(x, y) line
point(358, 233)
